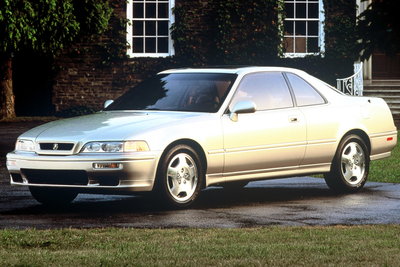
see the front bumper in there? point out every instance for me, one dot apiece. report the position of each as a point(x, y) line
point(130, 171)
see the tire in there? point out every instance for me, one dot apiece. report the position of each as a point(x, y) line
point(350, 166)
point(234, 186)
point(180, 177)
point(51, 196)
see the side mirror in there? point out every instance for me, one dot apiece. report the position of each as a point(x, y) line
point(242, 107)
point(107, 103)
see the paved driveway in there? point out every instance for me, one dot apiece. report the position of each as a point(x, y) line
point(294, 201)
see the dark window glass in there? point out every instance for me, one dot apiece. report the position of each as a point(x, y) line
point(313, 12)
point(150, 10)
point(301, 11)
point(289, 8)
point(312, 45)
point(304, 93)
point(163, 28)
point(267, 90)
point(150, 28)
point(138, 11)
point(313, 28)
point(289, 29)
point(162, 45)
point(150, 45)
point(163, 10)
point(138, 45)
point(137, 27)
point(300, 28)
point(198, 92)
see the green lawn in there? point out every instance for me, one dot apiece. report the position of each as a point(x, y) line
point(386, 170)
point(273, 246)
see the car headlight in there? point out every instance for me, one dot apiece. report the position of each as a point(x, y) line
point(24, 145)
point(115, 147)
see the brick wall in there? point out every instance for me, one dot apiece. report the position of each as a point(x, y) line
point(83, 81)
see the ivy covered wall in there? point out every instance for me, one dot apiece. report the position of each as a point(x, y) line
point(205, 32)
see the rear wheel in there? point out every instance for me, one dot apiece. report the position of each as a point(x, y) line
point(350, 166)
point(51, 196)
point(180, 177)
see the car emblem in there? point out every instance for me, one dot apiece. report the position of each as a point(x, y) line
point(55, 146)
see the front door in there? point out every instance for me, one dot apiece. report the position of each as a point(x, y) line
point(385, 67)
point(273, 137)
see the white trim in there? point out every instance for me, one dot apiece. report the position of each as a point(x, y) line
point(129, 31)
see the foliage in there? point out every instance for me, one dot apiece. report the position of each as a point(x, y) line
point(339, 27)
point(246, 32)
point(75, 111)
point(48, 26)
point(379, 28)
point(269, 246)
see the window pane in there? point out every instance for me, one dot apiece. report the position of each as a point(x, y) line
point(300, 28)
point(312, 45)
point(137, 27)
point(150, 10)
point(300, 45)
point(288, 44)
point(289, 8)
point(138, 11)
point(301, 10)
point(138, 45)
point(304, 93)
point(150, 28)
point(162, 10)
point(266, 90)
point(289, 27)
point(313, 28)
point(313, 11)
point(150, 45)
point(162, 45)
point(163, 28)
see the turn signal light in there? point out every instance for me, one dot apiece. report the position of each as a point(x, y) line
point(107, 165)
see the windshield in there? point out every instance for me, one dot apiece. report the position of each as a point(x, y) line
point(197, 92)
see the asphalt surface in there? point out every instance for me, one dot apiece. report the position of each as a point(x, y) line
point(293, 201)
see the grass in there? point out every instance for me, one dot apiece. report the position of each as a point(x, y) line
point(386, 170)
point(275, 246)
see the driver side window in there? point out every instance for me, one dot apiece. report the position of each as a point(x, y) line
point(268, 90)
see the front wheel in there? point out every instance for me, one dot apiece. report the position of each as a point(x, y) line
point(180, 177)
point(51, 196)
point(350, 166)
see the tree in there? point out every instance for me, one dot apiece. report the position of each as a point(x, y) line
point(379, 28)
point(43, 26)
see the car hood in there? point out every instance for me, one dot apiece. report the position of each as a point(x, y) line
point(104, 126)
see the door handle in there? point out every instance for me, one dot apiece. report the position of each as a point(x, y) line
point(293, 119)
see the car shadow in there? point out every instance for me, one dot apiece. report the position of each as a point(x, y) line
point(99, 206)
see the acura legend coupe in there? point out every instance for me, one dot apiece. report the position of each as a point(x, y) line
point(186, 129)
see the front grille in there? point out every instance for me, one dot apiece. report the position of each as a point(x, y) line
point(56, 177)
point(56, 146)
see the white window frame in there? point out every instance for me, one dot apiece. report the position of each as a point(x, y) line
point(129, 35)
point(321, 33)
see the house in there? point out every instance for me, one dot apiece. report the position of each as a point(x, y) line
point(313, 35)
point(382, 74)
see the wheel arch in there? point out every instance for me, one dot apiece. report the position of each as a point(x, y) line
point(362, 134)
point(191, 143)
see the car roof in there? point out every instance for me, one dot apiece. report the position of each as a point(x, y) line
point(232, 70)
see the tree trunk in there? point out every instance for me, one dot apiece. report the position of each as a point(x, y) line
point(7, 107)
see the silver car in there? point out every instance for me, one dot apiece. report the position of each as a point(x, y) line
point(186, 129)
